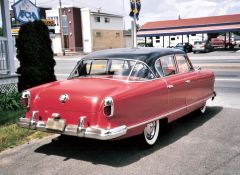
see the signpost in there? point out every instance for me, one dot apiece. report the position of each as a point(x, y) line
point(135, 7)
point(25, 11)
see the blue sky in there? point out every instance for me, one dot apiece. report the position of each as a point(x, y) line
point(155, 10)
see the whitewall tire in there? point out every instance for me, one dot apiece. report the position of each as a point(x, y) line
point(151, 132)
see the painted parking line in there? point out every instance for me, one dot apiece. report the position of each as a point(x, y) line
point(227, 79)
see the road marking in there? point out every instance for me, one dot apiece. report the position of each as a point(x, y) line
point(227, 79)
point(62, 75)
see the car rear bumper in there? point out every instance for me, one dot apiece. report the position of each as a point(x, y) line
point(75, 130)
point(198, 49)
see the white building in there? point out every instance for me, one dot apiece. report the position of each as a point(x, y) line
point(101, 30)
point(85, 30)
point(56, 37)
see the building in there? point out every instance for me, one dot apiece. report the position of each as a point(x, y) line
point(85, 30)
point(171, 32)
point(101, 31)
point(8, 77)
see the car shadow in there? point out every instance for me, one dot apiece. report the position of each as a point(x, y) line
point(121, 153)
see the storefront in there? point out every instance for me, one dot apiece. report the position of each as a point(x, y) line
point(8, 77)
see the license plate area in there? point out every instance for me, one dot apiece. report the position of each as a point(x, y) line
point(55, 124)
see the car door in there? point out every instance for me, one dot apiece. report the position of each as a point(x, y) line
point(175, 85)
point(192, 80)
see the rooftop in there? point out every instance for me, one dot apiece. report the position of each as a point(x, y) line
point(212, 20)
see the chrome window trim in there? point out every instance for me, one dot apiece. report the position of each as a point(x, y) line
point(155, 77)
point(174, 63)
point(168, 113)
point(189, 64)
point(124, 59)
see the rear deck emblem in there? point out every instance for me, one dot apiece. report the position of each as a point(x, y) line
point(63, 98)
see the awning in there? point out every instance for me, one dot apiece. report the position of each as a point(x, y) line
point(189, 30)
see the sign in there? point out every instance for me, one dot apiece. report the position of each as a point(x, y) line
point(48, 22)
point(135, 7)
point(64, 25)
point(25, 11)
point(15, 31)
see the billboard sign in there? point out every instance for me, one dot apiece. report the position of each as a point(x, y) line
point(25, 11)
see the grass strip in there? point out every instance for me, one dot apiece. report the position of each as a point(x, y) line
point(12, 135)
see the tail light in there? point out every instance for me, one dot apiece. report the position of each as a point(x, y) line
point(25, 99)
point(108, 106)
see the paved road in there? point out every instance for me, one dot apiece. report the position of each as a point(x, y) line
point(195, 144)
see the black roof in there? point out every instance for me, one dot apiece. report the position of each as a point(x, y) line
point(147, 55)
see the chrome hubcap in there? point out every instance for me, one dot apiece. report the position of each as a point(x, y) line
point(150, 130)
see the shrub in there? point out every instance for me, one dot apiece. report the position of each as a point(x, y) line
point(35, 55)
point(9, 102)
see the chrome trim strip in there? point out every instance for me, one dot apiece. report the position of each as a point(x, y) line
point(169, 113)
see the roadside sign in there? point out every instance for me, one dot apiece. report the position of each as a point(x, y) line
point(25, 11)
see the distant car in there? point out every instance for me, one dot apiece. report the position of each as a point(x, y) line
point(186, 47)
point(119, 93)
point(220, 43)
point(202, 46)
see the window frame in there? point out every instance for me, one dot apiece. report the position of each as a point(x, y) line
point(189, 64)
point(174, 64)
point(71, 76)
point(96, 19)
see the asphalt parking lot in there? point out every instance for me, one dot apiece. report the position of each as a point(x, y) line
point(196, 144)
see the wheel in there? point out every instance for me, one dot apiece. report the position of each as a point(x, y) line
point(194, 52)
point(203, 109)
point(151, 132)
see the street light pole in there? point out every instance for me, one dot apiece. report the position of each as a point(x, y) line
point(134, 28)
point(61, 33)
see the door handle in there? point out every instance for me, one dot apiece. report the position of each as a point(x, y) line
point(170, 86)
point(187, 81)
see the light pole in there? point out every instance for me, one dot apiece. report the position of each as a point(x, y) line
point(134, 23)
point(61, 33)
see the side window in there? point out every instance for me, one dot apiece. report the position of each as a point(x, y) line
point(141, 72)
point(183, 65)
point(165, 66)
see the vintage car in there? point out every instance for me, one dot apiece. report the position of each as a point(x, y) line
point(118, 93)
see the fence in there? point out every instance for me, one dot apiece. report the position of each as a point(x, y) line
point(3, 56)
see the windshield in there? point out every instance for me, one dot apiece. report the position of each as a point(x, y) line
point(120, 69)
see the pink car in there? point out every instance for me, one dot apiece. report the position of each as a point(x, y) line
point(118, 93)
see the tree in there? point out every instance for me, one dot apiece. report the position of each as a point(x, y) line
point(35, 55)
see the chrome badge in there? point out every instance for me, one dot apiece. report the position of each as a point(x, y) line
point(63, 98)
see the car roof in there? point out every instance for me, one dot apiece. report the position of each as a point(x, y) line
point(147, 55)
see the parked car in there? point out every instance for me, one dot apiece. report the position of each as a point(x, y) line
point(202, 46)
point(220, 43)
point(186, 47)
point(118, 93)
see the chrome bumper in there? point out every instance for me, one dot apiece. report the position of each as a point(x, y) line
point(75, 130)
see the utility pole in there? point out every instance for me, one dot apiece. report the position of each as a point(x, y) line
point(61, 33)
point(134, 28)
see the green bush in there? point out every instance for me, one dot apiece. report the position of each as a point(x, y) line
point(10, 101)
point(34, 52)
